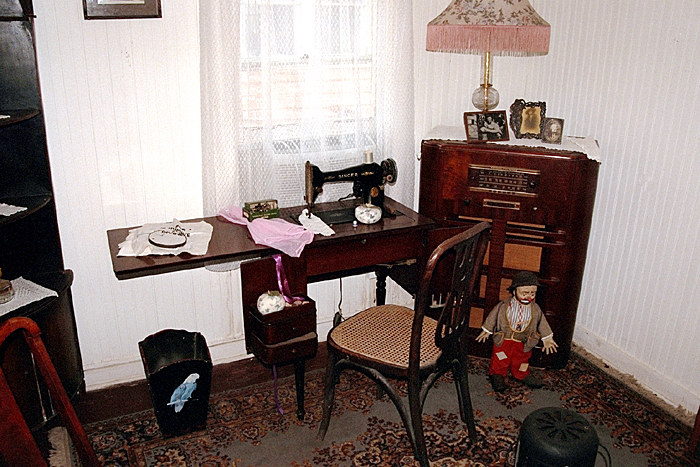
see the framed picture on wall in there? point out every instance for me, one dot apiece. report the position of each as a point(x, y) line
point(527, 118)
point(553, 130)
point(121, 9)
point(486, 126)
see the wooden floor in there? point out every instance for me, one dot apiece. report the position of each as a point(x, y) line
point(124, 399)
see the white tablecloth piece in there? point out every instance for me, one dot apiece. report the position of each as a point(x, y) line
point(137, 244)
point(315, 224)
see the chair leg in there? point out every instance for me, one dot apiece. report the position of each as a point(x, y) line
point(420, 450)
point(466, 411)
point(328, 394)
point(695, 437)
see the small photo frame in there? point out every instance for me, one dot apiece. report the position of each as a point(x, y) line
point(553, 130)
point(527, 118)
point(486, 126)
point(121, 9)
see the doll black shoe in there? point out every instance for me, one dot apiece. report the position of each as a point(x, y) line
point(532, 382)
point(498, 383)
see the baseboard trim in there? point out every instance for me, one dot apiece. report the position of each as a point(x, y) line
point(132, 370)
point(125, 372)
point(666, 389)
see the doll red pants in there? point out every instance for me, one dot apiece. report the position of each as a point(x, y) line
point(510, 355)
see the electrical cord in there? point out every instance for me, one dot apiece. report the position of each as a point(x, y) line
point(338, 317)
point(608, 459)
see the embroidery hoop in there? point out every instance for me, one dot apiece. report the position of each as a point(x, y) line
point(168, 237)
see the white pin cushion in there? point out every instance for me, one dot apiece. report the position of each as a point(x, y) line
point(270, 302)
point(368, 213)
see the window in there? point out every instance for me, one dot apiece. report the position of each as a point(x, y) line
point(318, 59)
point(290, 81)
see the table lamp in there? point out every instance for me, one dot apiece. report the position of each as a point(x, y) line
point(489, 27)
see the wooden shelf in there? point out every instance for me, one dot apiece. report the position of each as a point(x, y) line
point(17, 116)
point(32, 203)
point(30, 245)
point(22, 12)
point(58, 281)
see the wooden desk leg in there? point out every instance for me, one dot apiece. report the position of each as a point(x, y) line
point(299, 371)
point(382, 274)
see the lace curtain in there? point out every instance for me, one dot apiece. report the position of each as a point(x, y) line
point(286, 81)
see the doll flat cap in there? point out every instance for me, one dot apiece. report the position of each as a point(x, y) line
point(523, 278)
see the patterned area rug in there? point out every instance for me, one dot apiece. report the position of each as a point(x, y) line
point(244, 427)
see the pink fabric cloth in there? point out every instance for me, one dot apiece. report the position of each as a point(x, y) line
point(276, 233)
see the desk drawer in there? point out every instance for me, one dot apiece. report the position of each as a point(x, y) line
point(352, 253)
point(283, 325)
point(283, 352)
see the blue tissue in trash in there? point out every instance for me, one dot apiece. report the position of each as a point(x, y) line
point(183, 392)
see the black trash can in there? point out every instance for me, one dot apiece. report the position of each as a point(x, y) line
point(178, 370)
point(556, 437)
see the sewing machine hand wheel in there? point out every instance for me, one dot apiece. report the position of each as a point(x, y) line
point(391, 172)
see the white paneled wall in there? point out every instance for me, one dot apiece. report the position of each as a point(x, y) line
point(122, 109)
point(625, 72)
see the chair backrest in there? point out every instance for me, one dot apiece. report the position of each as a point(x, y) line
point(467, 249)
point(17, 443)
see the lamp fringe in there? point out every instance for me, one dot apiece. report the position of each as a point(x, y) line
point(499, 40)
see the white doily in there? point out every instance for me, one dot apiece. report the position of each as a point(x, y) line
point(26, 292)
point(587, 145)
point(8, 209)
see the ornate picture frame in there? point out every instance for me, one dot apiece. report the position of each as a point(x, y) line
point(121, 9)
point(553, 130)
point(527, 118)
point(486, 126)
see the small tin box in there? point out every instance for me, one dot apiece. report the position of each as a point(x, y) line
point(266, 209)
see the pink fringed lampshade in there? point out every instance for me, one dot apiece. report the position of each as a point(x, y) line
point(488, 27)
point(501, 27)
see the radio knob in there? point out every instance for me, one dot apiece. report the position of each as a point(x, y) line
point(467, 202)
point(532, 185)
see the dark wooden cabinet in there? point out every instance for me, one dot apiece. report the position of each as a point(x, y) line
point(30, 246)
point(540, 202)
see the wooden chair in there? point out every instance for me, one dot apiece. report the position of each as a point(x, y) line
point(17, 444)
point(394, 342)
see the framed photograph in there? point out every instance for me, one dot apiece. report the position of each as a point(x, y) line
point(527, 118)
point(486, 126)
point(121, 9)
point(553, 130)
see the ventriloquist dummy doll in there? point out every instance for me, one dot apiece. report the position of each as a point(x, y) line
point(517, 325)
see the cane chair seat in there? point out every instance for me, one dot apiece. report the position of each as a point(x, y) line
point(395, 321)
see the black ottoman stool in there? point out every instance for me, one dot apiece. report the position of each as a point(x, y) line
point(556, 437)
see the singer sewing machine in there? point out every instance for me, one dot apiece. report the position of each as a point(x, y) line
point(368, 180)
